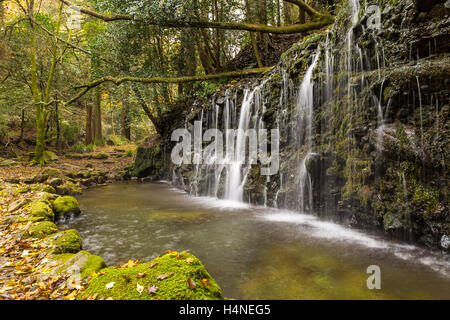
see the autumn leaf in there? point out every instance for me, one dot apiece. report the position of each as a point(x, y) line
point(152, 265)
point(189, 260)
point(164, 276)
point(130, 264)
point(152, 289)
point(110, 285)
point(191, 284)
point(93, 297)
point(139, 288)
point(206, 282)
point(140, 275)
point(126, 278)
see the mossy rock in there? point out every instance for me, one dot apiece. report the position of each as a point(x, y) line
point(42, 229)
point(44, 188)
point(123, 283)
point(84, 262)
point(68, 188)
point(41, 210)
point(65, 205)
point(23, 189)
point(100, 156)
point(68, 241)
point(52, 173)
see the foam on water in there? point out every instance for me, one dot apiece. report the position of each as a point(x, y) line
point(332, 231)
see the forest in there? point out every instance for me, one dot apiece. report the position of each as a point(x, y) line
point(124, 170)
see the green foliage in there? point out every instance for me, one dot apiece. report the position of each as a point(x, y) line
point(115, 140)
point(130, 153)
point(70, 132)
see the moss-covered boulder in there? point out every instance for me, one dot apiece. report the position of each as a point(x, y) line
point(83, 262)
point(100, 156)
point(41, 210)
point(43, 188)
point(65, 205)
point(42, 229)
point(52, 172)
point(174, 276)
point(68, 241)
point(68, 188)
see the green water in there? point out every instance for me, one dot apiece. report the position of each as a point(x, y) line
point(255, 252)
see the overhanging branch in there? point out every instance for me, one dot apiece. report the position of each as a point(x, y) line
point(319, 20)
point(119, 80)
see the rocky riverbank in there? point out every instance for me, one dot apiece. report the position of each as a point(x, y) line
point(38, 261)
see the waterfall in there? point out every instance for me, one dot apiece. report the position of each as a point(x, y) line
point(305, 104)
point(235, 178)
point(420, 110)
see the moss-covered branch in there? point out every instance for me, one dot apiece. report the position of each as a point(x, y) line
point(117, 81)
point(319, 21)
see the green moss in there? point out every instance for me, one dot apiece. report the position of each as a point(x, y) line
point(65, 205)
point(41, 210)
point(44, 188)
point(68, 241)
point(42, 229)
point(87, 264)
point(68, 188)
point(52, 172)
point(23, 189)
point(175, 287)
point(100, 155)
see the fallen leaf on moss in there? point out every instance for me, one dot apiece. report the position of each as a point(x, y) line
point(206, 282)
point(191, 284)
point(127, 278)
point(152, 289)
point(110, 285)
point(164, 276)
point(153, 264)
point(189, 260)
point(139, 288)
point(140, 275)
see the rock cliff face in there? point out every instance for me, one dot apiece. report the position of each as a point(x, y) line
point(362, 110)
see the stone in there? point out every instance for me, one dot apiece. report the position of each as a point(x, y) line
point(42, 229)
point(41, 210)
point(8, 163)
point(100, 156)
point(40, 178)
point(65, 205)
point(68, 241)
point(16, 205)
point(54, 182)
point(68, 188)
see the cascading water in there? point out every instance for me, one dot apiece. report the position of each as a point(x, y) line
point(236, 178)
point(305, 104)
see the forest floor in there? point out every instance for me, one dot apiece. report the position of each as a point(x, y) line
point(27, 262)
point(104, 158)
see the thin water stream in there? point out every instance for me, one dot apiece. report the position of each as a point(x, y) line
point(255, 252)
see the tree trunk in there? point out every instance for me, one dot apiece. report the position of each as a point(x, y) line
point(89, 138)
point(98, 135)
point(126, 130)
point(22, 126)
point(58, 130)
